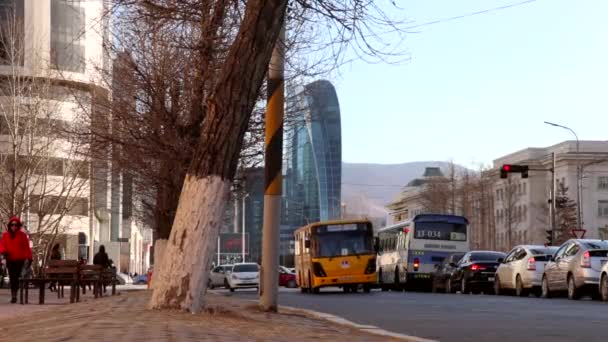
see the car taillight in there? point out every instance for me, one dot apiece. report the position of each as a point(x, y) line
point(416, 264)
point(371, 266)
point(586, 262)
point(476, 267)
point(532, 264)
point(318, 270)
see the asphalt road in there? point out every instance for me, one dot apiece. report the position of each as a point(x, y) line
point(457, 317)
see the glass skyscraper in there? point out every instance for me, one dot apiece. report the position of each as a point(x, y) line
point(313, 160)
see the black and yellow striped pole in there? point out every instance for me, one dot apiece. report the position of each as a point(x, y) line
point(273, 161)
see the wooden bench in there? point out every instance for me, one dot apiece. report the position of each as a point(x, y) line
point(108, 277)
point(91, 274)
point(61, 272)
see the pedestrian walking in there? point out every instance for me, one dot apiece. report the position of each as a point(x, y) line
point(15, 246)
point(55, 255)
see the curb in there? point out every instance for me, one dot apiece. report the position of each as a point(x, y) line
point(370, 329)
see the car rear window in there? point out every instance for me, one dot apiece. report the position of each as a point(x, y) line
point(245, 268)
point(486, 256)
point(543, 251)
point(596, 245)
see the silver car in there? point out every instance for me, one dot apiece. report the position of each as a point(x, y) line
point(575, 268)
point(522, 270)
point(603, 289)
point(217, 276)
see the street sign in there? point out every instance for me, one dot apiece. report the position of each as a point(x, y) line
point(578, 233)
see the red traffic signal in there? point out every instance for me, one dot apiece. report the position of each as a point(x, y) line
point(508, 168)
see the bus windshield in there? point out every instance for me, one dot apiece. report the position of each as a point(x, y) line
point(440, 231)
point(342, 240)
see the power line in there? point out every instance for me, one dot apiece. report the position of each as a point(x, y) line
point(462, 16)
point(382, 185)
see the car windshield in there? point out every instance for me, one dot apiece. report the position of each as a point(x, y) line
point(245, 268)
point(486, 256)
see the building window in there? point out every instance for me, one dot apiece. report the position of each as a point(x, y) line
point(11, 32)
point(602, 206)
point(67, 35)
point(602, 183)
point(83, 247)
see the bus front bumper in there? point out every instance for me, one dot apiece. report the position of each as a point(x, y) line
point(364, 279)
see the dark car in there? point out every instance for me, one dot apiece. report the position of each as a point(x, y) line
point(475, 272)
point(443, 273)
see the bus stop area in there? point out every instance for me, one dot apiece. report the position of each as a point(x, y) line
point(126, 318)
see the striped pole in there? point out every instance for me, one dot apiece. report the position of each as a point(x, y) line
point(273, 160)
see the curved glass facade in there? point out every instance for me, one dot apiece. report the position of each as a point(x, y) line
point(313, 159)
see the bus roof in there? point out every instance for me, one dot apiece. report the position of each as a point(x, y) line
point(428, 218)
point(332, 222)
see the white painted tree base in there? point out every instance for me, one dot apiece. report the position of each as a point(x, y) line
point(183, 271)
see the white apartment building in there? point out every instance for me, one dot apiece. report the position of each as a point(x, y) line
point(60, 45)
point(529, 203)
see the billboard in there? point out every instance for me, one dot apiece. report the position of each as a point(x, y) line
point(231, 243)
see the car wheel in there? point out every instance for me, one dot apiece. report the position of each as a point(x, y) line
point(520, 291)
point(291, 284)
point(464, 287)
point(232, 289)
point(573, 292)
point(226, 285)
point(604, 288)
point(545, 291)
point(497, 289)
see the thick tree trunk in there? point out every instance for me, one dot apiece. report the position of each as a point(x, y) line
point(183, 272)
point(184, 266)
point(160, 246)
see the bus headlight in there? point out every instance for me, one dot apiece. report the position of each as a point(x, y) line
point(371, 266)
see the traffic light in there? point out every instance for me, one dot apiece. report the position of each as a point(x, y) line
point(549, 237)
point(508, 168)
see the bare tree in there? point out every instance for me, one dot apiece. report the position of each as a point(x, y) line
point(565, 214)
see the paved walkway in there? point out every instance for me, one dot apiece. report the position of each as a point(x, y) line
point(125, 318)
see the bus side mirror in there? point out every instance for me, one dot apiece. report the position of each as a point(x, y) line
point(376, 244)
point(307, 243)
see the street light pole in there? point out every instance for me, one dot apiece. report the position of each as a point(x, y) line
point(243, 234)
point(578, 175)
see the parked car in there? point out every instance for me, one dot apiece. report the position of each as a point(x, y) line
point(217, 276)
point(475, 272)
point(243, 275)
point(603, 287)
point(141, 279)
point(443, 273)
point(575, 268)
point(522, 270)
point(287, 278)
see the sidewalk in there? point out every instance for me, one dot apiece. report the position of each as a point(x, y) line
point(125, 318)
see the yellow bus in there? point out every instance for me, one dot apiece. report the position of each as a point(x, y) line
point(335, 253)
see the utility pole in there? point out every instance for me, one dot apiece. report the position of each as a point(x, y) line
point(273, 160)
point(243, 232)
point(552, 207)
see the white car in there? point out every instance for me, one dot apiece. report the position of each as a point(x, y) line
point(522, 270)
point(243, 275)
point(217, 276)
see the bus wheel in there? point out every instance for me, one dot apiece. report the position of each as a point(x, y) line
point(367, 288)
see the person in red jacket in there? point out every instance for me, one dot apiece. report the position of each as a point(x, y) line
point(15, 246)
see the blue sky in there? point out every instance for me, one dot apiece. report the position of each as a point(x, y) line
point(478, 88)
